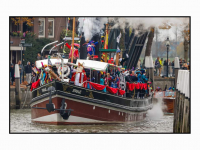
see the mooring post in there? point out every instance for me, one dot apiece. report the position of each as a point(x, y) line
point(176, 68)
point(177, 100)
point(17, 87)
point(150, 70)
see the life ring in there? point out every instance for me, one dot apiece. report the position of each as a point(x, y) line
point(66, 70)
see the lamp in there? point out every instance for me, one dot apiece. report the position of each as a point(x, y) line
point(167, 45)
point(167, 42)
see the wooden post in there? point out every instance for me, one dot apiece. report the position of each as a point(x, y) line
point(105, 59)
point(117, 59)
point(106, 38)
point(17, 87)
point(105, 43)
point(73, 40)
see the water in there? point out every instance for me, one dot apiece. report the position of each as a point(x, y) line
point(20, 122)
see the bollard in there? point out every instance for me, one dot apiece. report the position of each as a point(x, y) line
point(17, 87)
point(176, 68)
point(150, 70)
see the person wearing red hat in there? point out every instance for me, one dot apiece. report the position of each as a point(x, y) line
point(79, 75)
point(111, 61)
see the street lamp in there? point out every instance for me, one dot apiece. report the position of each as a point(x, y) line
point(167, 44)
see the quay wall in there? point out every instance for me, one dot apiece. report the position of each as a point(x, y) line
point(162, 82)
point(22, 97)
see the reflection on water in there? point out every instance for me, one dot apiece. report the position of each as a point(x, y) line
point(20, 121)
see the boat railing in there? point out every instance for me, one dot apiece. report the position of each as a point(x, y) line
point(55, 46)
point(48, 45)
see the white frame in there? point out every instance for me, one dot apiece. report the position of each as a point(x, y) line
point(42, 19)
point(51, 19)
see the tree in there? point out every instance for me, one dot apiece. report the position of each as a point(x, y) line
point(180, 50)
point(21, 20)
point(30, 54)
point(69, 34)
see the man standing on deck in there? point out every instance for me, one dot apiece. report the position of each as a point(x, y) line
point(133, 77)
point(108, 79)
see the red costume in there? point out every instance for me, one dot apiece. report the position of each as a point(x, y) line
point(76, 54)
point(79, 76)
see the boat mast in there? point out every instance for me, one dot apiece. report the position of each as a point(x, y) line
point(73, 40)
point(105, 42)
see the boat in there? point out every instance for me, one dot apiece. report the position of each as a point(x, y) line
point(168, 98)
point(81, 105)
point(61, 102)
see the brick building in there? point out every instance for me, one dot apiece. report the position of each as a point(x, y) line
point(43, 27)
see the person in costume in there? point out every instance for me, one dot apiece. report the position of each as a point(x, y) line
point(125, 57)
point(115, 83)
point(111, 61)
point(133, 76)
point(122, 80)
point(102, 57)
point(76, 53)
point(108, 79)
point(144, 79)
point(79, 75)
point(91, 47)
point(42, 77)
point(102, 82)
point(88, 79)
point(139, 75)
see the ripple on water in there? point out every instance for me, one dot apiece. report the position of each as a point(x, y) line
point(20, 121)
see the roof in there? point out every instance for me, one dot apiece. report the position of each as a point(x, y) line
point(92, 64)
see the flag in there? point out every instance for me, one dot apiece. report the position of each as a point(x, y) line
point(49, 61)
point(118, 40)
point(106, 39)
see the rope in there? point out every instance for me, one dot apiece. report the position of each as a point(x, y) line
point(25, 97)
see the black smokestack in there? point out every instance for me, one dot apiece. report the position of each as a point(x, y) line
point(83, 49)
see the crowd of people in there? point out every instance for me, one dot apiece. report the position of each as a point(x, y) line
point(160, 64)
point(28, 69)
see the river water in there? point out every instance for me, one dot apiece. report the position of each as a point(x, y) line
point(156, 122)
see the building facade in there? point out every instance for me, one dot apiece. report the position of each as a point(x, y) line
point(42, 27)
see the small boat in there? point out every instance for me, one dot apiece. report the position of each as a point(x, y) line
point(168, 98)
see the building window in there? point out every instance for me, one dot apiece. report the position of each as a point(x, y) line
point(41, 27)
point(51, 27)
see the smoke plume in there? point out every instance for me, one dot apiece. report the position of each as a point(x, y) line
point(92, 26)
